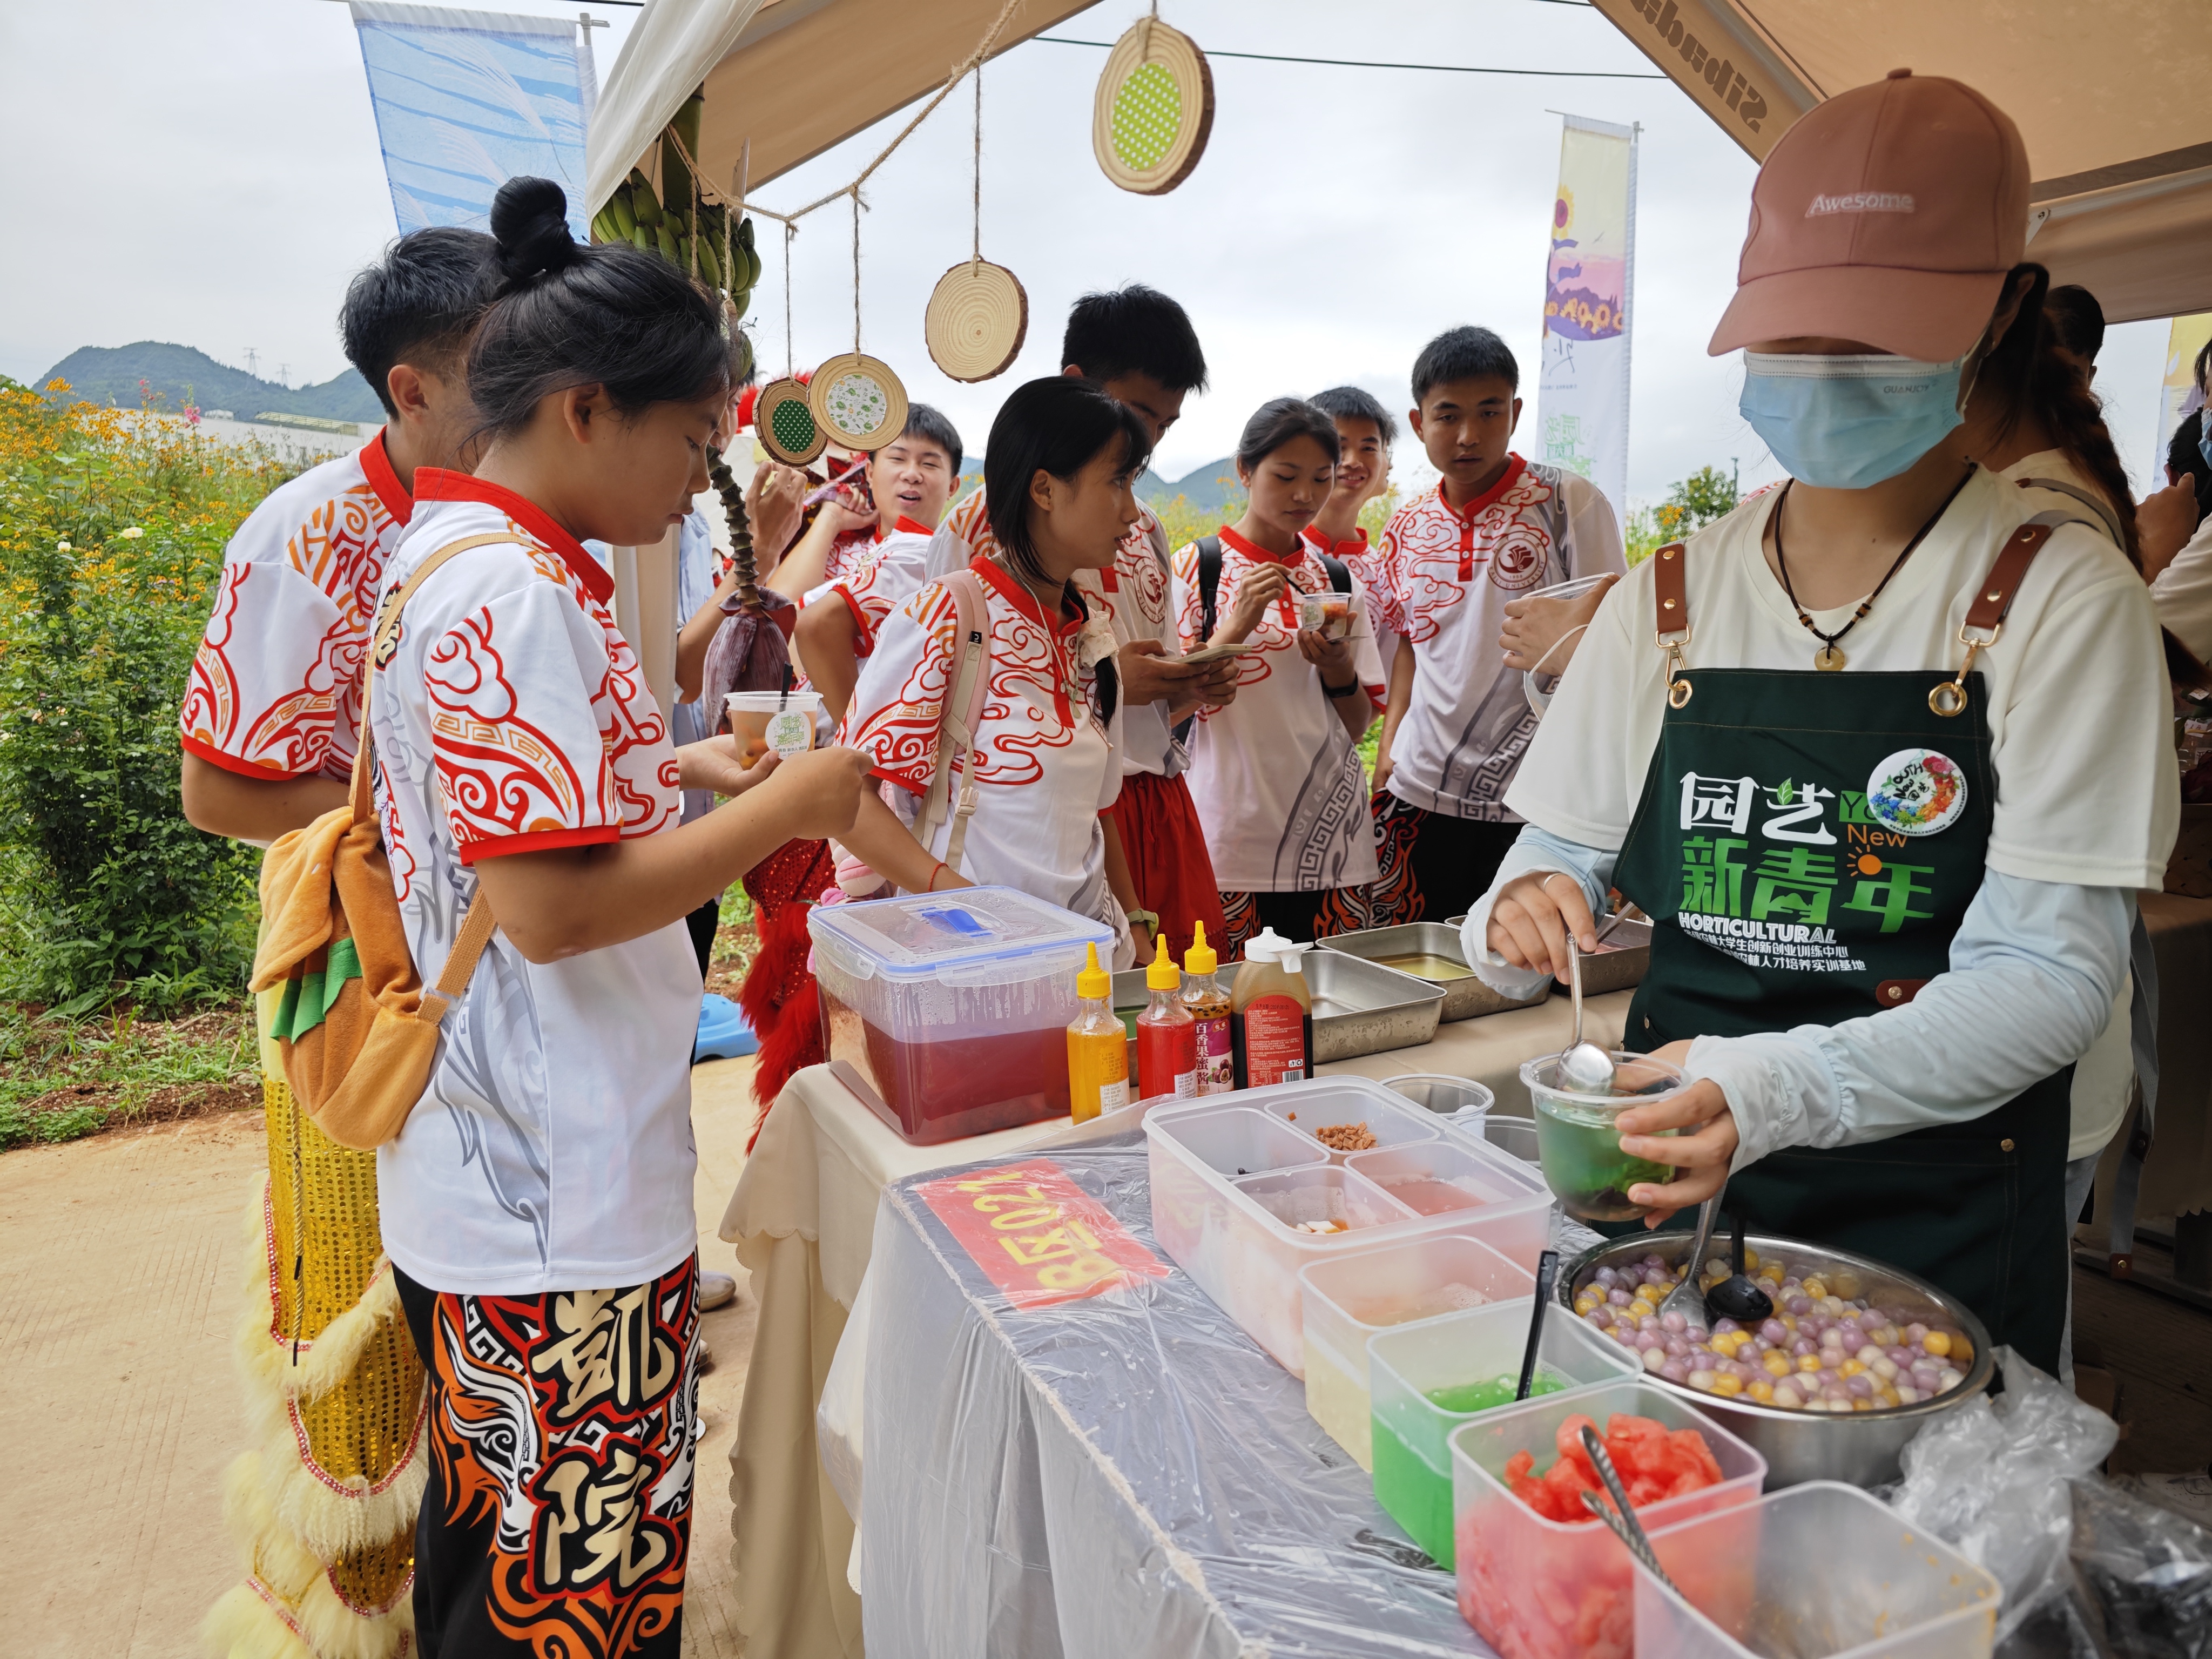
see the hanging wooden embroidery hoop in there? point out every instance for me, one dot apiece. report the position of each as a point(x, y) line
point(977, 319)
point(786, 440)
point(1153, 109)
point(858, 401)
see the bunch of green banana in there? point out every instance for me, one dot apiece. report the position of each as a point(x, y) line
point(692, 234)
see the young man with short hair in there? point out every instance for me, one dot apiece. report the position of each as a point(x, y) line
point(271, 717)
point(1139, 344)
point(1496, 528)
point(273, 704)
point(869, 557)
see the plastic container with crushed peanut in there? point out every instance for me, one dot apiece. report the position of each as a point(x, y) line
point(1345, 1137)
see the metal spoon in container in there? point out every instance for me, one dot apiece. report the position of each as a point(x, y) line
point(1584, 1068)
point(1688, 1298)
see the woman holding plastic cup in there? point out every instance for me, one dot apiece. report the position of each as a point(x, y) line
point(1783, 741)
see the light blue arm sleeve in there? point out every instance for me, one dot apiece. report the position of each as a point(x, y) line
point(2034, 968)
point(1535, 849)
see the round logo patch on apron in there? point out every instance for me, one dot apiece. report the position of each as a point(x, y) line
point(1917, 791)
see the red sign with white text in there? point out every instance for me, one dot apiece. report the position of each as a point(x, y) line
point(1041, 1238)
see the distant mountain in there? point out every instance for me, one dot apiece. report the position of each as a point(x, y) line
point(111, 374)
point(1207, 487)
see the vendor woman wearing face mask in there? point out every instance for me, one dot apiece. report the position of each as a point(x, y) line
point(1883, 759)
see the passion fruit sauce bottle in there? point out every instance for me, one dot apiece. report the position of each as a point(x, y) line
point(1209, 1003)
point(1271, 1013)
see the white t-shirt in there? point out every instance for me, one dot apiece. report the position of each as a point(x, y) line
point(1276, 781)
point(552, 1150)
point(1131, 600)
point(1446, 577)
point(2182, 595)
point(1046, 765)
point(2075, 689)
point(275, 688)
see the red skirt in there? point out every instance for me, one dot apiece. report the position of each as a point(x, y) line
point(1168, 861)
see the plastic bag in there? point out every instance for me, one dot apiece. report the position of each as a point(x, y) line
point(2143, 1575)
point(1991, 1477)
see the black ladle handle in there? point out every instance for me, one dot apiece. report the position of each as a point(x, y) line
point(1547, 1272)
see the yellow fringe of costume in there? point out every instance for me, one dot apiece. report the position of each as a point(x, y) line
point(323, 1502)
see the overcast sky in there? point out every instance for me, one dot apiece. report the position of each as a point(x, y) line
point(209, 175)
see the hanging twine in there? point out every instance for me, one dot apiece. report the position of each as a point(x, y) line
point(856, 269)
point(976, 251)
point(790, 230)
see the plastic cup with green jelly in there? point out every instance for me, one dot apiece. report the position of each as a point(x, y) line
point(1578, 1142)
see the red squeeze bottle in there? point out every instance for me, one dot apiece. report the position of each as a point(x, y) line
point(1167, 1036)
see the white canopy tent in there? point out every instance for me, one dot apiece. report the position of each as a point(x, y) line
point(2113, 99)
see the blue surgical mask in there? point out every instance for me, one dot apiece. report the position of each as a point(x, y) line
point(1847, 422)
point(2204, 435)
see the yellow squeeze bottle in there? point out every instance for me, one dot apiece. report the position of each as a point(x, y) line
point(1097, 1047)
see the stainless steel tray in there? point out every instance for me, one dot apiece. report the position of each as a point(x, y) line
point(1360, 1007)
point(1611, 970)
point(1464, 999)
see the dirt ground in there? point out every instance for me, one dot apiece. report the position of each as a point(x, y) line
point(123, 1254)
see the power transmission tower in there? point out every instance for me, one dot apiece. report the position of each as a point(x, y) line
point(253, 362)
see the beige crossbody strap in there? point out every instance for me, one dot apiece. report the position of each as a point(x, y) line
point(381, 636)
point(478, 923)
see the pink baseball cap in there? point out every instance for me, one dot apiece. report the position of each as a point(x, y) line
point(1888, 214)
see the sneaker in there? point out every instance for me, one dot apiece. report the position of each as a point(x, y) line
point(716, 1291)
point(2189, 1496)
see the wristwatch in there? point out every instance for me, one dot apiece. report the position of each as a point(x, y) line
point(1341, 692)
point(1150, 918)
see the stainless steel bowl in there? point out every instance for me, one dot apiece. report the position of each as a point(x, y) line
point(1464, 999)
point(1863, 1448)
point(1442, 1093)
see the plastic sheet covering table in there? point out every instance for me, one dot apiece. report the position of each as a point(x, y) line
point(1126, 1474)
point(803, 1219)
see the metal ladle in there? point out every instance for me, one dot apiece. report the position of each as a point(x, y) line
point(1687, 1299)
point(1584, 1068)
point(1620, 1518)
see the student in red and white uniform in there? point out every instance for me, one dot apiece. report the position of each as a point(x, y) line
point(1494, 530)
point(538, 1203)
point(865, 552)
point(273, 702)
point(1365, 434)
point(1060, 468)
point(1138, 344)
point(1276, 775)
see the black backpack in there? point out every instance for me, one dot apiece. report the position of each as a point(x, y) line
point(1209, 581)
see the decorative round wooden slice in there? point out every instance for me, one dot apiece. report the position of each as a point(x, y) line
point(783, 419)
point(1154, 109)
point(977, 319)
point(858, 401)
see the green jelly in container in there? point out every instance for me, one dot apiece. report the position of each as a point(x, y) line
point(1427, 1380)
point(1578, 1144)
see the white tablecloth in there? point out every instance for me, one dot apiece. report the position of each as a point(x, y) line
point(803, 1219)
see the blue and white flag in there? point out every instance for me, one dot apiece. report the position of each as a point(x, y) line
point(466, 100)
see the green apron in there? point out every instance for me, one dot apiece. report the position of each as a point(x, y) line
point(1786, 894)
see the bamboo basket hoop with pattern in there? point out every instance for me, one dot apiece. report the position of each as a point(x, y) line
point(857, 400)
point(784, 421)
point(1153, 109)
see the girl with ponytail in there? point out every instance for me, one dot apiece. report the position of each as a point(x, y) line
point(537, 1207)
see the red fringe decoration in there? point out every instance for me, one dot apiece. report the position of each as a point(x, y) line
point(779, 1002)
point(793, 1045)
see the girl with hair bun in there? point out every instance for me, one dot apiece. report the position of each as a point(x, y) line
point(537, 1207)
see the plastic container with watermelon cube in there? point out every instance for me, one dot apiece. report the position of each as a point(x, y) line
point(1538, 1589)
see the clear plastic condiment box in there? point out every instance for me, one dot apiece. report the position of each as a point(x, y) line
point(947, 1012)
point(1538, 1588)
point(1243, 1197)
point(1411, 1433)
point(1348, 1298)
point(1819, 1570)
